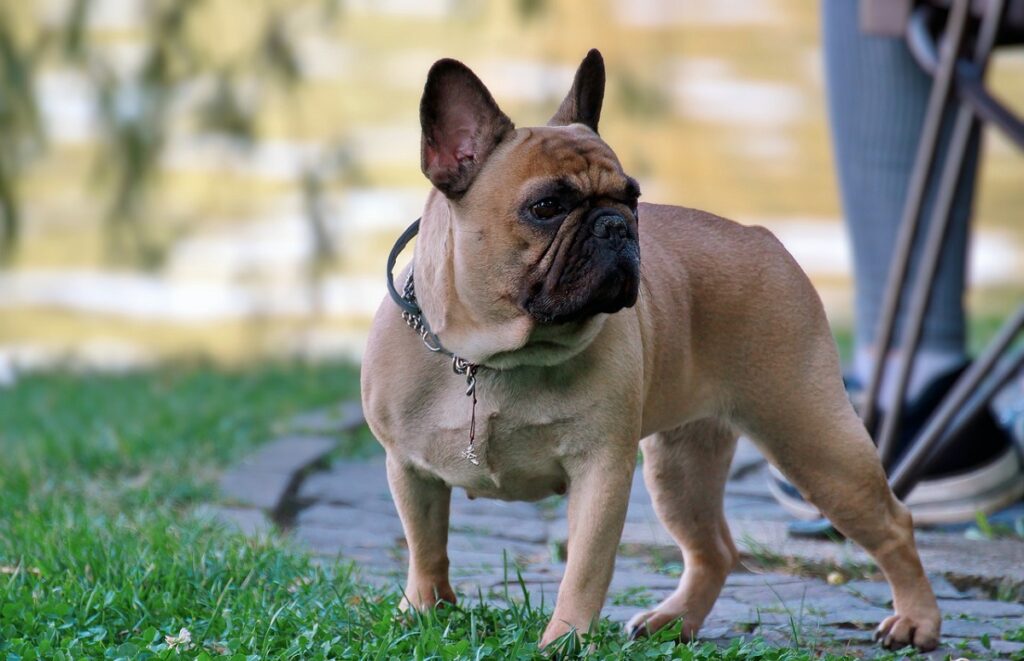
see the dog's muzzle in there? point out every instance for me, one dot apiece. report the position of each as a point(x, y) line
point(599, 274)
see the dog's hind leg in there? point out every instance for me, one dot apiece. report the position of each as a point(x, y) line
point(685, 470)
point(805, 425)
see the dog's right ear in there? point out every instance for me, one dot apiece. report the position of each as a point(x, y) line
point(461, 127)
point(583, 103)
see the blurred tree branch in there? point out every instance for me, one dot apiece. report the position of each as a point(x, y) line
point(135, 109)
point(21, 134)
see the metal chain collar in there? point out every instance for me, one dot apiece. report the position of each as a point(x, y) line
point(460, 366)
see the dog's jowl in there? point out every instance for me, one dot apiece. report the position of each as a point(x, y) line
point(555, 322)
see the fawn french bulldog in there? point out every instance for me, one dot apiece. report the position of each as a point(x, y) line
point(584, 322)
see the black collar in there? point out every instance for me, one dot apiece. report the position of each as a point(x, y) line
point(407, 305)
point(413, 316)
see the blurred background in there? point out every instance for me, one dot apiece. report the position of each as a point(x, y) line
point(225, 177)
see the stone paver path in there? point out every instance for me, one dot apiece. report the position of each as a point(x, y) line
point(344, 510)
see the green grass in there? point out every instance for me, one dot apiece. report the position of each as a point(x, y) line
point(635, 596)
point(101, 558)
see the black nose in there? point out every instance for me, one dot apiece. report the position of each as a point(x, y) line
point(610, 225)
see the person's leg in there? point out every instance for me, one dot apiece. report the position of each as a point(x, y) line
point(877, 98)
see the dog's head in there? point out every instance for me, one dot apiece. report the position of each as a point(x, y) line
point(543, 219)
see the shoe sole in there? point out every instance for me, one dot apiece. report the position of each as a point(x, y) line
point(952, 499)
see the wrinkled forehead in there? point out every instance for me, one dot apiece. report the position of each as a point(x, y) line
point(573, 154)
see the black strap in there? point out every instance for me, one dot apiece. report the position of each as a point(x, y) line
point(399, 246)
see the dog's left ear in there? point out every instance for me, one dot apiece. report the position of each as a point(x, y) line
point(461, 127)
point(583, 103)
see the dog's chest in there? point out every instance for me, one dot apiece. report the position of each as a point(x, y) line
point(518, 449)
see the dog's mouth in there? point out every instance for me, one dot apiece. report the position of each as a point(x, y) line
point(595, 271)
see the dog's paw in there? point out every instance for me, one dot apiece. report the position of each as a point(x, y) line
point(646, 623)
point(555, 631)
point(898, 631)
point(426, 597)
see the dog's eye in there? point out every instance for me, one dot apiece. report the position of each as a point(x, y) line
point(547, 209)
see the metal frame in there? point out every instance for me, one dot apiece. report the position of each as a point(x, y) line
point(976, 387)
point(911, 218)
point(968, 77)
point(965, 123)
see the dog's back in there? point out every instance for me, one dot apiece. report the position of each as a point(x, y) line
point(714, 294)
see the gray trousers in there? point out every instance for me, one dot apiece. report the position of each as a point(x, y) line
point(876, 99)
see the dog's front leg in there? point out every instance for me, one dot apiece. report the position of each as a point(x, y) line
point(423, 505)
point(598, 497)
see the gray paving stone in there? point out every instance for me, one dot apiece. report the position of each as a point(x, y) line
point(636, 597)
point(495, 559)
point(779, 635)
point(469, 542)
point(377, 550)
point(461, 506)
point(474, 575)
point(755, 536)
point(731, 611)
point(745, 507)
point(625, 579)
point(944, 589)
point(382, 581)
point(954, 555)
point(252, 488)
point(643, 514)
point(1006, 647)
point(346, 416)
point(807, 590)
point(980, 608)
point(716, 632)
point(875, 592)
point(288, 454)
point(501, 527)
point(746, 459)
point(619, 614)
point(553, 507)
point(382, 506)
point(326, 544)
point(989, 560)
point(262, 479)
point(248, 521)
point(639, 494)
point(349, 520)
point(973, 629)
point(648, 534)
point(470, 591)
point(737, 579)
point(753, 484)
point(628, 563)
point(850, 635)
point(533, 575)
point(540, 596)
point(766, 616)
point(818, 596)
point(488, 581)
point(348, 483)
point(822, 612)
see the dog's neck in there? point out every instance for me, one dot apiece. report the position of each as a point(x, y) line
point(462, 307)
point(456, 307)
